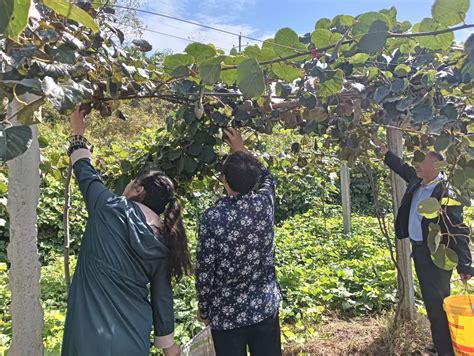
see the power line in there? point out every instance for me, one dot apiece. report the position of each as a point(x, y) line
point(170, 35)
point(201, 25)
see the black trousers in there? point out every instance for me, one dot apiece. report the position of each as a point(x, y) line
point(263, 339)
point(435, 286)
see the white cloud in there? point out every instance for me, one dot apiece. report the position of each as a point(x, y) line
point(202, 14)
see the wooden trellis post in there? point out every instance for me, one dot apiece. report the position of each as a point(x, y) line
point(403, 250)
point(346, 197)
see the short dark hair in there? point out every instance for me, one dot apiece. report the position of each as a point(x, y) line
point(241, 171)
point(436, 155)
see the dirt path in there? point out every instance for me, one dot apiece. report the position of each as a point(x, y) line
point(366, 336)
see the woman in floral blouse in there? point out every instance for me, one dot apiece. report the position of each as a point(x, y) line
point(238, 291)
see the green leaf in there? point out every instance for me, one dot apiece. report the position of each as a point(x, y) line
point(405, 103)
point(308, 100)
point(282, 89)
point(174, 155)
point(459, 178)
point(252, 51)
point(210, 72)
point(381, 93)
point(195, 149)
point(323, 38)
point(442, 142)
point(438, 123)
point(28, 114)
point(405, 26)
point(449, 110)
point(229, 76)
point(402, 70)
point(450, 12)
point(190, 165)
point(73, 12)
point(333, 83)
point(358, 58)
point(375, 39)
point(399, 85)
point(200, 51)
point(207, 155)
point(423, 111)
point(469, 172)
point(391, 15)
point(418, 156)
point(55, 70)
point(175, 61)
point(434, 237)
point(342, 20)
point(445, 258)
point(372, 73)
point(43, 142)
point(13, 17)
point(250, 78)
point(364, 21)
point(67, 95)
point(286, 72)
point(442, 41)
point(451, 259)
point(429, 208)
point(143, 45)
point(14, 141)
point(287, 38)
point(323, 23)
point(266, 54)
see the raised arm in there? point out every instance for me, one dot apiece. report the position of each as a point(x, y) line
point(267, 184)
point(395, 163)
point(91, 185)
point(267, 181)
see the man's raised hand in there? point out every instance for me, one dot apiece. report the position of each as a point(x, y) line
point(379, 145)
point(234, 139)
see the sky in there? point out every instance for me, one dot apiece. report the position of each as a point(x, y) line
point(261, 18)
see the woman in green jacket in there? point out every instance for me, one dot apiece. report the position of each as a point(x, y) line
point(125, 247)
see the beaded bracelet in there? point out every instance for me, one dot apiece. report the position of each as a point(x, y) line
point(77, 142)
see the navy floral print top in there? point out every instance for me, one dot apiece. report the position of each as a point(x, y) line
point(235, 271)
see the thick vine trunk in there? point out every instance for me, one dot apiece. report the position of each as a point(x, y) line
point(403, 249)
point(22, 251)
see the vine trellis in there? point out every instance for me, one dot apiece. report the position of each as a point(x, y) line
point(343, 82)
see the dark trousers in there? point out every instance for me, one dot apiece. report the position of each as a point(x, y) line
point(263, 339)
point(435, 286)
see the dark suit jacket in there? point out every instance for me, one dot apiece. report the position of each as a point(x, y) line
point(454, 220)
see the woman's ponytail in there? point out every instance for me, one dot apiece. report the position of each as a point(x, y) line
point(176, 237)
point(160, 196)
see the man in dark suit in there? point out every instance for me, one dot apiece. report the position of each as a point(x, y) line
point(425, 181)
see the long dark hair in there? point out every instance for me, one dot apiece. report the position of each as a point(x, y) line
point(160, 196)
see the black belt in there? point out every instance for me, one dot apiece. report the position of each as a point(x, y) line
point(417, 243)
